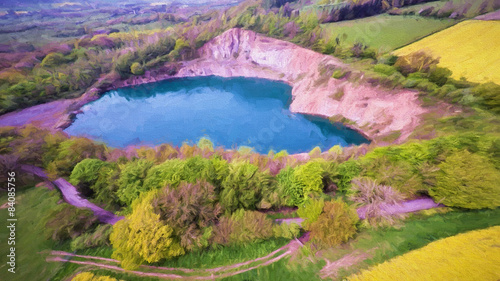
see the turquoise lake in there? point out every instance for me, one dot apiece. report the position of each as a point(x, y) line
point(231, 112)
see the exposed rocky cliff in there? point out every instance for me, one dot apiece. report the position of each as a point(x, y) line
point(374, 111)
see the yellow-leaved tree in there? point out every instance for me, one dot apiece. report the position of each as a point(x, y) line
point(143, 237)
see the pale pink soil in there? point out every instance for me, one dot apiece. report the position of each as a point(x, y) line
point(490, 16)
point(331, 268)
point(45, 115)
point(404, 207)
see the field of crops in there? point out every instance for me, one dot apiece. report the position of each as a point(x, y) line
point(469, 49)
point(385, 31)
point(470, 256)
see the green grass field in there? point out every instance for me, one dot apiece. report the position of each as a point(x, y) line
point(32, 205)
point(385, 32)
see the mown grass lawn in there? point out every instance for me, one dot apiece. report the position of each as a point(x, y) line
point(385, 32)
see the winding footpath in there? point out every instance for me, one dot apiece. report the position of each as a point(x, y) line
point(72, 196)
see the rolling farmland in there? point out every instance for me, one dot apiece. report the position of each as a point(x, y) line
point(469, 256)
point(458, 49)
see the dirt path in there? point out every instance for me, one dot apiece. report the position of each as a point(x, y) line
point(404, 207)
point(198, 274)
point(71, 195)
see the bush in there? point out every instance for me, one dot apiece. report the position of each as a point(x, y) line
point(190, 210)
point(387, 59)
point(384, 69)
point(335, 225)
point(440, 76)
point(400, 174)
point(468, 181)
point(490, 93)
point(242, 188)
point(98, 238)
point(136, 69)
point(68, 222)
point(242, 227)
point(373, 197)
point(54, 60)
point(310, 211)
point(339, 74)
point(285, 230)
point(346, 172)
point(418, 61)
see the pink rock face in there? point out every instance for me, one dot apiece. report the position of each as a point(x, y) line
point(239, 52)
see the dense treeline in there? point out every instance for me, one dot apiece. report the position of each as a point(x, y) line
point(68, 72)
point(192, 197)
point(364, 8)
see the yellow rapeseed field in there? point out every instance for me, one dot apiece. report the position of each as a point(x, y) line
point(470, 49)
point(470, 256)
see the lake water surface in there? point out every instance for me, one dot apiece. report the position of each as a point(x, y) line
point(230, 112)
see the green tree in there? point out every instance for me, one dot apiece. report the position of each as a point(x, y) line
point(335, 225)
point(131, 180)
point(85, 175)
point(190, 209)
point(310, 211)
point(242, 188)
point(142, 237)
point(71, 152)
point(54, 59)
point(307, 179)
point(467, 180)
